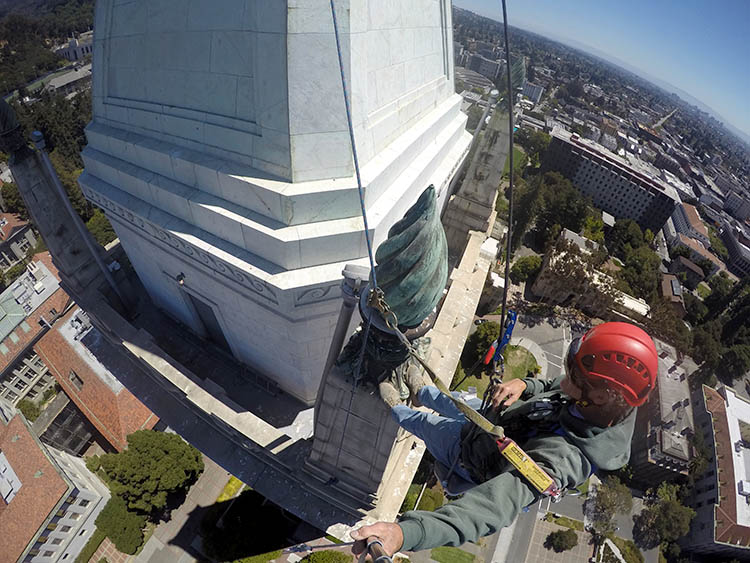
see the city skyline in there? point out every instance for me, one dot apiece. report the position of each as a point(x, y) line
point(668, 50)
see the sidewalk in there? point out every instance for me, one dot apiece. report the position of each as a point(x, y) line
point(158, 548)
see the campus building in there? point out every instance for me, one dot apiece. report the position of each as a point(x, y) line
point(737, 240)
point(16, 239)
point(661, 448)
point(721, 527)
point(688, 222)
point(613, 184)
point(49, 500)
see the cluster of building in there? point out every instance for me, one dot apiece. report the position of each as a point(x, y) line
point(51, 356)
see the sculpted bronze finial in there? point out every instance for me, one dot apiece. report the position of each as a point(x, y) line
point(411, 271)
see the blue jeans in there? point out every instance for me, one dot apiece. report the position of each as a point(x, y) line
point(440, 434)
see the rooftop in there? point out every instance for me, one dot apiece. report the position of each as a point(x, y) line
point(39, 487)
point(26, 306)
point(10, 224)
point(732, 513)
point(70, 77)
point(700, 249)
point(690, 265)
point(675, 409)
point(73, 346)
point(641, 170)
point(695, 220)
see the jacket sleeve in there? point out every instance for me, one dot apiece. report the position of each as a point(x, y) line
point(494, 504)
point(536, 386)
point(481, 511)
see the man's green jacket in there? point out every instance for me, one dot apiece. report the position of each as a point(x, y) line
point(566, 456)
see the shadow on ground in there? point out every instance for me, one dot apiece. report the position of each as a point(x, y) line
point(245, 526)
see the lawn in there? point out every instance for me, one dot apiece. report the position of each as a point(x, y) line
point(703, 290)
point(628, 549)
point(519, 161)
point(565, 522)
point(583, 488)
point(518, 362)
point(451, 555)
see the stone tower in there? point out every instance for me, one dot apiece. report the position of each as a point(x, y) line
point(219, 151)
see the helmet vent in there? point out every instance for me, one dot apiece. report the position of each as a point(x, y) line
point(621, 358)
point(607, 356)
point(588, 361)
point(631, 362)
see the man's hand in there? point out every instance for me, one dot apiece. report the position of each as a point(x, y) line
point(506, 394)
point(388, 533)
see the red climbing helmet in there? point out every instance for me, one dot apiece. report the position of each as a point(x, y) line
point(620, 353)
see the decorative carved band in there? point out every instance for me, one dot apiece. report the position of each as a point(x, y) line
point(257, 286)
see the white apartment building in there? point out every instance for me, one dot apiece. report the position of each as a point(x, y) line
point(721, 526)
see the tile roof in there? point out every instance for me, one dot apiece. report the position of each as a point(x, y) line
point(42, 488)
point(13, 224)
point(695, 219)
point(700, 249)
point(726, 528)
point(17, 345)
point(111, 408)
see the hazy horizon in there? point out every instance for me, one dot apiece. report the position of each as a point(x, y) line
point(665, 37)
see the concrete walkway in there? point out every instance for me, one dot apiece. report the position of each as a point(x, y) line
point(160, 547)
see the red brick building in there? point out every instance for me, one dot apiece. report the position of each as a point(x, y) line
point(86, 365)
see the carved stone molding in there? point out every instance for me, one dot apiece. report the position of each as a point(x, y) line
point(315, 295)
point(220, 267)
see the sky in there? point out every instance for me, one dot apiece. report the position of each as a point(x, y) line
point(701, 47)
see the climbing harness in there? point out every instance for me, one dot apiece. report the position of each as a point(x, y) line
point(533, 473)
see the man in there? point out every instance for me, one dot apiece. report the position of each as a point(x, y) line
point(570, 426)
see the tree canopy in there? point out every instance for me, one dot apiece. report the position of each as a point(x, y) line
point(561, 540)
point(122, 526)
point(612, 497)
point(479, 343)
point(154, 465)
point(525, 267)
point(663, 519)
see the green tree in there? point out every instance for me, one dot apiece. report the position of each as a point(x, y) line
point(706, 348)
point(612, 497)
point(560, 204)
point(475, 115)
point(561, 540)
point(641, 271)
point(525, 268)
point(479, 343)
point(29, 409)
point(736, 362)
point(664, 323)
point(122, 526)
point(13, 201)
point(626, 232)
point(154, 465)
point(101, 228)
point(593, 228)
point(663, 519)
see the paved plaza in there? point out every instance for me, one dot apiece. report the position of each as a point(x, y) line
point(540, 554)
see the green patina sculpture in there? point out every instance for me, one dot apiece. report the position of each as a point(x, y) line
point(412, 264)
point(412, 270)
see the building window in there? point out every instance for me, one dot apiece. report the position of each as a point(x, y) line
point(48, 553)
point(57, 541)
point(74, 516)
point(65, 529)
point(77, 381)
point(83, 502)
